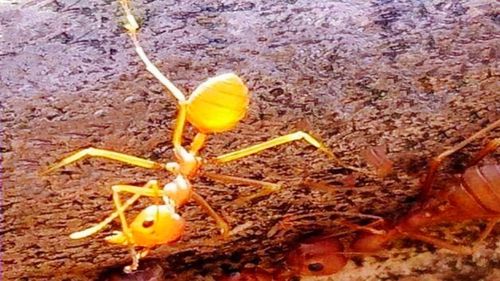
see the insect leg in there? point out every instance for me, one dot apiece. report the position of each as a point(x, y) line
point(132, 27)
point(370, 228)
point(489, 148)
point(221, 223)
point(436, 162)
point(108, 154)
point(267, 187)
point(153, 192)
point(486, 232)
point(299, 135)
point(126, 230)
point(440, 243)
point(98, 227)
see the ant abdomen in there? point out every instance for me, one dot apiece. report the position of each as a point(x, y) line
point(218, 104)
point(483, 185)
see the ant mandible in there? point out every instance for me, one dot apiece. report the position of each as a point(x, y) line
point(475, 195)
point(215, 106)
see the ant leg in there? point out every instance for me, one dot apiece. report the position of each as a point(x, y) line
point(486, 232)
point(136, 256)
point(132, 27)
point(436, 162)
point(489, 148)
point(98, 227)
point(367, 228)
point(456, 248)
point(126, 230)
point(282, 140)
point(154, 192)
point(108, 154)
point(221, 223)
point(267, 187)
point(440, 243)
point(272, 143)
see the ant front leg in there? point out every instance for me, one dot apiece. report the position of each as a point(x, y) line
point(125, 237)
point(152, 191)
point(152, 184)
point(300, 135)
point(436, 162)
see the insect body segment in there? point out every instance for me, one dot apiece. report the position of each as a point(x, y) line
point(474, 195)
point(218, 104)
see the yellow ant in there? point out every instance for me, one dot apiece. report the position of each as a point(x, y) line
point(215, 106)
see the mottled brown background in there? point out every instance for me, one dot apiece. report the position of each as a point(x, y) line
point(416, 76)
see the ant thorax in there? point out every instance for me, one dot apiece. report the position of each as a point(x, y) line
point(187, 162)
point(179, 191)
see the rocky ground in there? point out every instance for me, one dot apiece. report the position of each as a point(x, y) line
point(414, 76)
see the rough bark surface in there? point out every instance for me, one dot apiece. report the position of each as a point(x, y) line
point(416, 76)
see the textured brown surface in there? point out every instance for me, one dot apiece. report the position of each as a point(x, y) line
point(415, 77)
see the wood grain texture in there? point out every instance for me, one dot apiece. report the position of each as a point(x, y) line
point(415, 76)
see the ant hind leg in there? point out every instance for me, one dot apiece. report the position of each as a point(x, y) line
point(221, 223)
point(132, 26)
point(299, 135)
point(267, 187)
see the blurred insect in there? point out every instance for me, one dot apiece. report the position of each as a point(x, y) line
point(376, 156)
point(317, 256)
point(475, 195)
point(215, 106)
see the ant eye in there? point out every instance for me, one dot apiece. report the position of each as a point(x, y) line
point(147, 224)
point(315, 267)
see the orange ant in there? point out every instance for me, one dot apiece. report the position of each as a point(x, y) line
point(316, 256)
point(215, 106)
point(473, 196)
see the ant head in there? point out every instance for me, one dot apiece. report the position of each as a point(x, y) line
point(157, 224)
point(317, 256)
point(218, 104)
